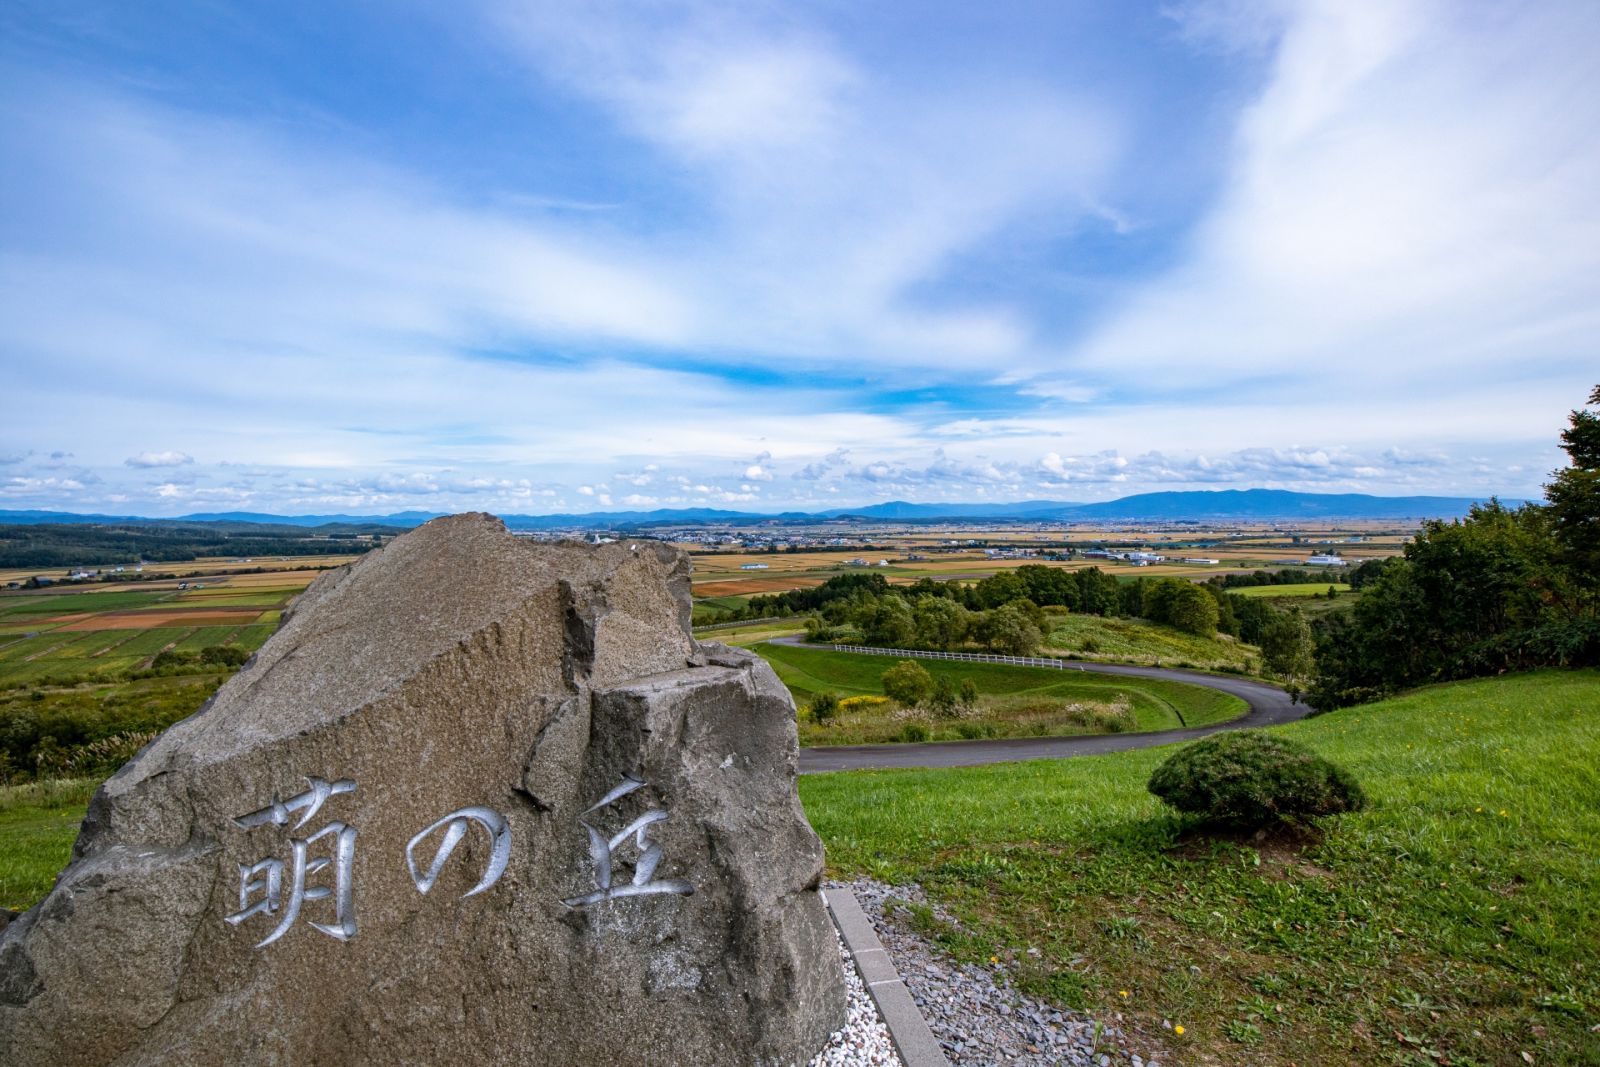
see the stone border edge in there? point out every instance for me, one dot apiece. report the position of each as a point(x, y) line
point(907, 1028)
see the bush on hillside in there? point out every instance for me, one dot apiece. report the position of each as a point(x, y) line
point(908, 682)
point(1248, 779)
point(824, 706)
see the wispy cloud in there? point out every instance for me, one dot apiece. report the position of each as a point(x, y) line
point(158, 459)
point(1410, 207)
point(786, 255)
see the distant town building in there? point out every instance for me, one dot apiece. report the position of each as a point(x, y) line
point(1322, 560)
point(752, 566)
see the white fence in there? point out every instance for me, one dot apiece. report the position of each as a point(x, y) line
point(970, 657)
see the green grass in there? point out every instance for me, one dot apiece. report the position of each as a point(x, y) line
point(205, 637)
point(63, 603)
point(226, 598)
point(1299, 589)
point(1017, 701)
point(1118, 640)
point(149, 642)
point(723, 603)
point(1456, 920)
point(37, 828)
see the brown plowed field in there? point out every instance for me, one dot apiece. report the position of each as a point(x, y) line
point(144, 620)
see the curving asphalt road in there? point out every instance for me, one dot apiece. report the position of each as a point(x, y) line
point(1269, 706)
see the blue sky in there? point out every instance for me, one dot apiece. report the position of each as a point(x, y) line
point(534, 257)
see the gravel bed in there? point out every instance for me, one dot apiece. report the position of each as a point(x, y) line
point(974, 1012)
point(864, 1041)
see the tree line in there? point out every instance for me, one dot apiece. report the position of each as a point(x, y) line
point(1501, 589)
point(52, 545)
point(1007, 612)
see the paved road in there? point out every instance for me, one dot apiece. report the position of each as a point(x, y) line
point(1269, 706)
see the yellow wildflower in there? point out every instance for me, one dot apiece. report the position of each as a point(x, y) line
point(1178, 1030)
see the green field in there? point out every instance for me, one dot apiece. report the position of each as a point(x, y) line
point(1023, 697)
point(1457, 920)
point(67, 603)
point(32, 654)
point(1122, 640)
point(1298, 589)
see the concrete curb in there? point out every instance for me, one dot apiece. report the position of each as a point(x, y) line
point(907, 1028)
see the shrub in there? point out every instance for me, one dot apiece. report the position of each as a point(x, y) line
point(908, 682)
point(824, 706)
point(226, 655)
point(914, 732)
point(1247, 779)
point(944, 699)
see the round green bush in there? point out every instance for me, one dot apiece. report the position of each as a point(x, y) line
point(1248, 779)
point(824, 706)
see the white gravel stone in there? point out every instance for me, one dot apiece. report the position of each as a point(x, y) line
point(864, 1041)
point(974, 1012)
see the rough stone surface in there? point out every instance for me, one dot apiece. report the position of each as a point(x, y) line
point(456, 668)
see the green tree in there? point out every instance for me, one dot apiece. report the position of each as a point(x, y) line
point(944, 699)
point(1193, 610)
point(1099, 593)
point(1009, 630)
point(968, 694)
point(1472, 596)
point(940, 623)
point(1574, 496)
point(907, 682)
point(1181, 604)
point(1002, 588)
point(889, 623)
point(1049, 585)
point(1286, 645)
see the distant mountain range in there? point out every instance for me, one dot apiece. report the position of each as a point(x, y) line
point(1197, 506)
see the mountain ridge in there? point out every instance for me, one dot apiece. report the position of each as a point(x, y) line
point(1187, 505)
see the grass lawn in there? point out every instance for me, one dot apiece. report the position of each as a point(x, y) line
point(1457, 920)
point(1119, 640)
point(1014, 701)
point(1298, 589)
point(38, 824)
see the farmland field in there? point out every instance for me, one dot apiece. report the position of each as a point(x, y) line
point(74, 635)
point(1297, 589)
point(1014, 701)
point(957, 552)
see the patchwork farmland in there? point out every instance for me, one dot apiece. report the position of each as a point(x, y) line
point(72, 635)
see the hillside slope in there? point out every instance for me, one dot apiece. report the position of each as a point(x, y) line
point(1456, 920)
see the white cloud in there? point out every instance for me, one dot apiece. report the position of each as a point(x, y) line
point(1402, 261)
point(1411, 203)
point(836, 191)
point(159, 459)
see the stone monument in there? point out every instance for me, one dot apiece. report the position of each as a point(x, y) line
point(479, 800)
